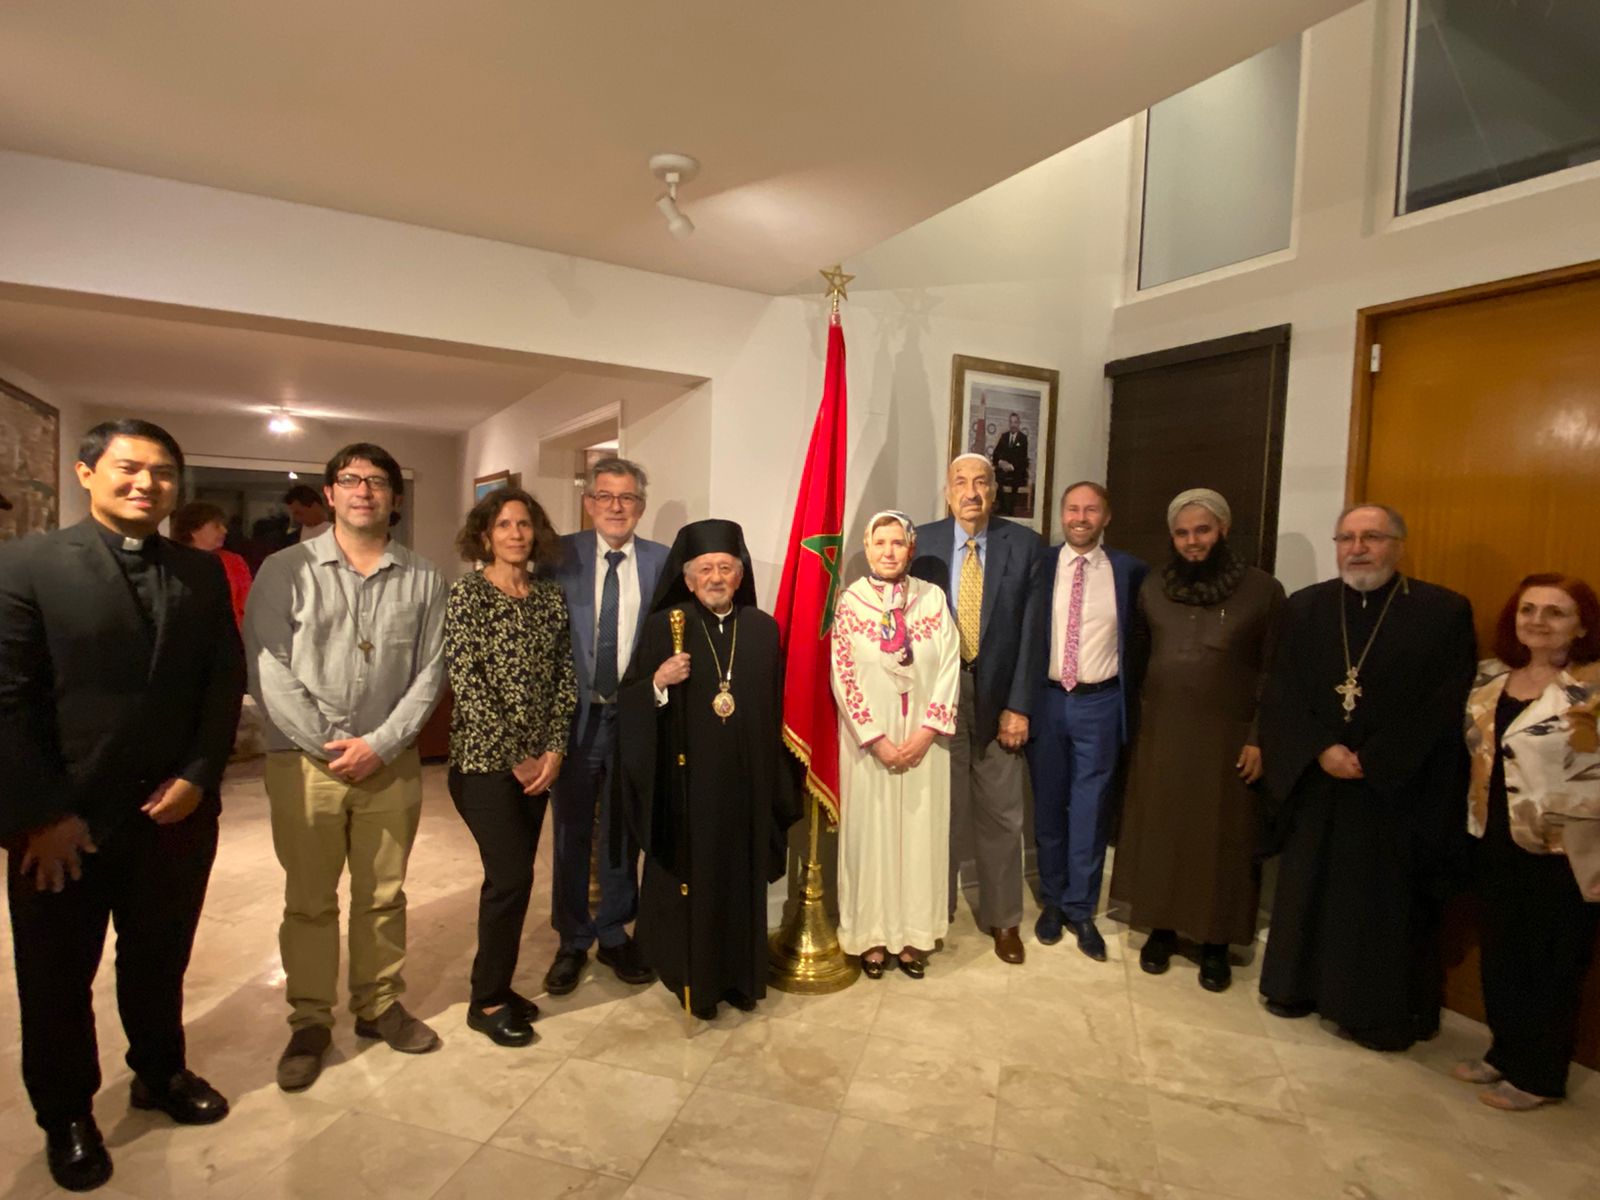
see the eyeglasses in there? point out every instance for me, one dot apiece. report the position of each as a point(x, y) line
point(625, 499)
point(1364, 539)
point(350, 482)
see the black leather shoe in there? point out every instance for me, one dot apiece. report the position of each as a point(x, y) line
point(1215, 973)
point(1089, 939)
point(703, 1012)
point(1156, 956)
point(528, 1009)
point(186, 1098)
point(77, 1155)
point(742, 1002)
point(873, 968)
point(564, 973)
point(505, 1026)
point(627, 961)
point(1291, 1010)
point(1048, 927)
point(914, 968)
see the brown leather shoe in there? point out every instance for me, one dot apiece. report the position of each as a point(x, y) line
point(400, 1030)
point(1007, 944)
point(301, 1061)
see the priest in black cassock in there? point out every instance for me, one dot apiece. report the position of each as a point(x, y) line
point(707, 786)
point(1361, 740)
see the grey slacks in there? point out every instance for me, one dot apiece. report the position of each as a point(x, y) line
point(986, 798)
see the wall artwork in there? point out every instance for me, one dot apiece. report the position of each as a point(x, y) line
point(30, 464)
point(1007, 413)
point(484, 484)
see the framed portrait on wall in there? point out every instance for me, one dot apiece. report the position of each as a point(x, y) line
point(484, 484)
point(1007, 413)
point(30, 459)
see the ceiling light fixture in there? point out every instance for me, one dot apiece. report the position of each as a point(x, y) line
point(281, 422)
point(673, 169)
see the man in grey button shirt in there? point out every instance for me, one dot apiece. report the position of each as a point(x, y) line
point(344, 635)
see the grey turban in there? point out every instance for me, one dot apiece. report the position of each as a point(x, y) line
point(1205, 498)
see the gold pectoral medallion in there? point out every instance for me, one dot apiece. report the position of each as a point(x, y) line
point(722, 703)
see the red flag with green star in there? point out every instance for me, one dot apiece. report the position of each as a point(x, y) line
point(810, 586)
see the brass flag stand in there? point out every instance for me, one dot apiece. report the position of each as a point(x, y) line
point(804, 956)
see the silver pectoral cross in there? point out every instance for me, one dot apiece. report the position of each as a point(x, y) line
point(1350, 690)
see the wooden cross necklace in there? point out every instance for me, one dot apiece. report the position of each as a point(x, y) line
point(1350, 689)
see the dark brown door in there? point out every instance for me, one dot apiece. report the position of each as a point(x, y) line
point(1206, 415)
point(1482, 425)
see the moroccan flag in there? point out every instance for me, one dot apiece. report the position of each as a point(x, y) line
point(810, 587)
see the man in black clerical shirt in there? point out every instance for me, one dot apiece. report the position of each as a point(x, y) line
point(120, 680)
point(707, 786)
point(1361, 739)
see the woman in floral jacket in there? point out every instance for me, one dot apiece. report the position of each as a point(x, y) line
point(1534, 803)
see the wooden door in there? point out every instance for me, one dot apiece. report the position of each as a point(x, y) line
point(1482, 425)
point(1205, 415)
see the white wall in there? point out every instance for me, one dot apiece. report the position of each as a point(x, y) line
point(73, 500)
point(433, 493)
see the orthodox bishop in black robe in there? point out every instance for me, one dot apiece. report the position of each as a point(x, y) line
point(707, 786)
point(1366, 863)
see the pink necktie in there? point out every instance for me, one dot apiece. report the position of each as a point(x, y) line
point(1069, 651)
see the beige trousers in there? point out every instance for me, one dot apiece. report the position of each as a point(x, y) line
point(319, 823)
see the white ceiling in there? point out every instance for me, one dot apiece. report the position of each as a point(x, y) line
point(146, 359)
point(825, 127)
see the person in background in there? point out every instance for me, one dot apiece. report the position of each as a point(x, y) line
point(896, 674)
point(307, 511)
point(509, 655)
point(1534, 805)
point(205, 527)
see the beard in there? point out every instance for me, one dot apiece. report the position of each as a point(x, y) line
point(1188, 573)
point(1366, 579)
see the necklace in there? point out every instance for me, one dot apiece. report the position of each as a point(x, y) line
point(722, 703)
point(1350, 689)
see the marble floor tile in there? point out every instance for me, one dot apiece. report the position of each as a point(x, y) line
point(1014, 1175)
point(363, 1155)
point(865, 1158)
point(1213, 1063)
point(595, 1116)
point(1389, 1092)
point(492, 1173)
point(800, 1063)
point(1176, 996)
point(1248, 1153)
point(1534, 1177)
point(924, 1088)
point(854, 1008)
point(1384, 1166)
point(1083, 1124)
point(468, 1092)
point(723, 1144)
point(651, 1033)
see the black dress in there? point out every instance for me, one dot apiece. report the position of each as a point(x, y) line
point(1538, 937)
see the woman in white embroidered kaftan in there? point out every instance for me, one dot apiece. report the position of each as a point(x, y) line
point(896, 672)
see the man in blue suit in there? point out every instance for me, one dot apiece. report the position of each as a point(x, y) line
point(1085, 593)
point(987, 566)
point(608, 576)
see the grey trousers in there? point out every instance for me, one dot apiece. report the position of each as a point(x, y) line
point(986, 798)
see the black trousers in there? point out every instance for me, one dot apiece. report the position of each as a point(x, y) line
point(150, 880)
point(505, 824)
point(1538, 939)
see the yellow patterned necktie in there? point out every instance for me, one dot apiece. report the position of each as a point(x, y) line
point(969, 602)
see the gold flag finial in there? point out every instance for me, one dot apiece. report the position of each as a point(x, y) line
point(837, 280)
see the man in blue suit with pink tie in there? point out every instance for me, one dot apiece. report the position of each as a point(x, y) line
point(608, 576)
point(1080, 718)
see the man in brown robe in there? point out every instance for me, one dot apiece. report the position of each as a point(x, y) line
point(1202, 640)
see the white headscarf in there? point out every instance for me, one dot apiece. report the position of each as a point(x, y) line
point(894, 636)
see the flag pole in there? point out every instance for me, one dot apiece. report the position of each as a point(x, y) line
point(804, 956)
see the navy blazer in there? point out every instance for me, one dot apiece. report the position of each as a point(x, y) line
point(1127, 574)
point(1008, 637)
point(575, 574)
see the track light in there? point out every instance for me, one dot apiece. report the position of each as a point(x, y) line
point(281, 422)
point(673, 169)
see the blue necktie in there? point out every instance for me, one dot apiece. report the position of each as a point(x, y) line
point(605, 638)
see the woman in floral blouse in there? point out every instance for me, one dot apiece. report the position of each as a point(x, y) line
point(509, 652)
point(1535, 804)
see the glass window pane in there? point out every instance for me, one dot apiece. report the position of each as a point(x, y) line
point(1219, 168)
point(1497, 92)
